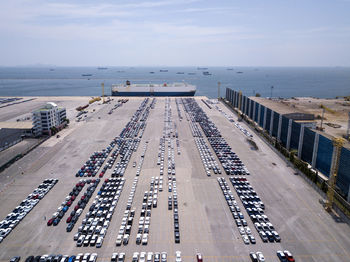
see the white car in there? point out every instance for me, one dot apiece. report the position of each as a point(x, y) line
point(119, 240)
point(245, 239)
point(99, 242)
point(150, 257)
point(135, 257)
point(261, 257)
point(142, 257)
point(145, 239)
point(241, 230)
point(178, 256)
point(164, 257)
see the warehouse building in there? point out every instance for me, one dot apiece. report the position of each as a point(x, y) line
point(48, 118)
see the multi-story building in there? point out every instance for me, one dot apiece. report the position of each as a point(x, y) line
point(47, 117)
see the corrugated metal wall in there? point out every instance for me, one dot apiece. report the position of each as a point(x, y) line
point(324, 155)
point(295, 135)
point(284, 131)
point(325, 146)
point(343, 178)
point(276, 118)
point(268, 119)
point(262, 112)
point(308, 145)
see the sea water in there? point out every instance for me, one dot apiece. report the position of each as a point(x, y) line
point(323, 82)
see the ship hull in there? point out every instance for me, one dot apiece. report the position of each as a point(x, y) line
point(175, 89)
point(176, 93)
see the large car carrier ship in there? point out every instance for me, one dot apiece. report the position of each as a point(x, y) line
point(174, 89)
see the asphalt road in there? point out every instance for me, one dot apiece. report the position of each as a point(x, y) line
point(206, 224)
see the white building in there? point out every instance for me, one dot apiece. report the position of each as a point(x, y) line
point(47, 117)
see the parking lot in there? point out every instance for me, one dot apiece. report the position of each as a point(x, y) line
point(206, 224)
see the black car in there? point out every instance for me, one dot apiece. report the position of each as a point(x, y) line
point(30, 259)
point(177, 237)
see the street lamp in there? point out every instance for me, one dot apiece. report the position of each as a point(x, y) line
point(271, 92)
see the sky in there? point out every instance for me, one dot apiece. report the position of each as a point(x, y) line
point(175, 32)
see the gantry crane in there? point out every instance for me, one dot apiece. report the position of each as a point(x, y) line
point(338, 143)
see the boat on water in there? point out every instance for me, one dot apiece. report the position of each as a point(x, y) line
point(239, 72)
point(191, 74)
point(202, 68)
point(163, 70)
point(86, 75)
point(151, 72)
point(102, 68)
point(180, 73)
point(229, 69)
point(206, 73)
point(166, 89)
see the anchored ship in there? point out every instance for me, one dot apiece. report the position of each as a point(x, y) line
point(166, 89)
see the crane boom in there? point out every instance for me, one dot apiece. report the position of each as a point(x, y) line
point(338, 143)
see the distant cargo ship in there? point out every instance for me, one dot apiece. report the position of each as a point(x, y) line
point(86, 75)
point(102, 68)
point(174, 89)
point(206, 73)
point(163, 70)
point(202, 68)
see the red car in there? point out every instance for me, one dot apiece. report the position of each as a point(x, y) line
point(49, 223)
point(289, 256)
point(69, 203)
point(69, 219)
point(76, 207)
point(72, 198)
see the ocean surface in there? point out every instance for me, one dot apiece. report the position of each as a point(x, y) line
point(69, 81)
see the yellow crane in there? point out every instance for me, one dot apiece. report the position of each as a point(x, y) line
point(324, 108)
point(338, 143)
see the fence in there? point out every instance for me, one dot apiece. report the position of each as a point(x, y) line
point(312, 147)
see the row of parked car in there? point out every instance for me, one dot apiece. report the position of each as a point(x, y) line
point(150, 200)
point(128, 217)
point(230, 118)
point(19, 212)
point(96, 222)
point(63, 208)
point(229, 160)
point(96, 160)
point(255, 209)
point(175, 212)
point(94, 163)
point(126, 150)
point(142, 158)
point(244, 230)
point(170, 135)
point(146, 257)
point(207, 157)
point(78, 209)
point(87, 257)
point(283, 256)
point(177, 102)
point(118, 104)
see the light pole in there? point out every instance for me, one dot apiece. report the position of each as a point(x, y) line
point(271, 92)
point(219, 89)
